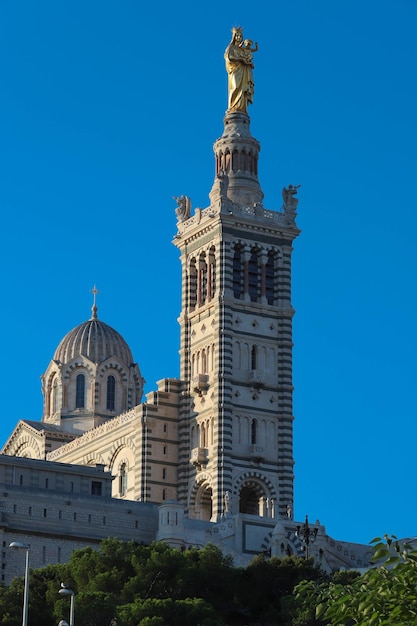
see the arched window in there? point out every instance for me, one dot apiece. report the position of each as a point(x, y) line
point(253, 431)
point(253, 276)
point(237, 273)
point(55, 396)
point(123, 480)
point(111, 393)
point(254, 358)
point(212, 273)
point(202, 279)
point(80, 392)
point(269, 279)
point(192, 290)
point(235, 156)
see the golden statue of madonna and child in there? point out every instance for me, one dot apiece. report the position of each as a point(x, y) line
point(239, 67)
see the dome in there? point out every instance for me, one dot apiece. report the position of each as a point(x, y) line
point(95, 340)
point(80, 395)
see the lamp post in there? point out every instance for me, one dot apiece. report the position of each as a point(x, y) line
point(65, 591)
point(17, 545)
point(307, 535)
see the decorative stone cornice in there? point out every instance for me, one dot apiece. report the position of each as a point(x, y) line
point(94, 434)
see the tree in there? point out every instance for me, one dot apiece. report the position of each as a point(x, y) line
point(106, 569)
point(43, 588)
point(95, 608)
point(156, 585)
point(384, 595)
point(265, 584)
point(210, 575)
point(168, 612)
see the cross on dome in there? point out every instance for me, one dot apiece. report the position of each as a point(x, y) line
point(94, 291)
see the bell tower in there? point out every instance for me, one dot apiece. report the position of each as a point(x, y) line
point(235, 426)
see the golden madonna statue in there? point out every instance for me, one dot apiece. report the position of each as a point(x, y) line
point(239, 67)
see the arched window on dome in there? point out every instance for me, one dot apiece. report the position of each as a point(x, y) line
point(55, 397)
point(123, 480)
point(111, 393)
point(80, 392)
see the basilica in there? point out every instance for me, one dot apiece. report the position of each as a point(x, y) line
point(207, 457)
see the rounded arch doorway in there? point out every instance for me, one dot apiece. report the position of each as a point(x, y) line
point(201, 501)
point(256, 497)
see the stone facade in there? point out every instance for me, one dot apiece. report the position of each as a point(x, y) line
point(236, 343)
point(57, 508)
point(139, 447)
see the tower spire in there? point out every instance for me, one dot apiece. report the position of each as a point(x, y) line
point(237, 151)
point(94, 291)
point(236, 328)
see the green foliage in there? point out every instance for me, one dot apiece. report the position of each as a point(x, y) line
point(11, 604)
point(156, 585)
point(385, 595)
point(168, 612)
point(266, 582)
point(40, 609)
point(105, 569)
point(95, 608)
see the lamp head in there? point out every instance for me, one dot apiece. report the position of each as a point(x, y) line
point(64, 591)
point(18, 545)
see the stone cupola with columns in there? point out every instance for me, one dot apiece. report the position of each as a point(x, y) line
point(92, 377)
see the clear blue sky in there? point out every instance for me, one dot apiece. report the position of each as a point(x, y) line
point(108, 109)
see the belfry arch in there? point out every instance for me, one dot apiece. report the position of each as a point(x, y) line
point(201, 500)
point(255, 495)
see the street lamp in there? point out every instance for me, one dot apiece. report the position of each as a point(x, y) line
point(17, 545)
point(65, 591)
point(307, 535)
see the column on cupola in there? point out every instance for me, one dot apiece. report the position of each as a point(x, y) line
point(236, 153)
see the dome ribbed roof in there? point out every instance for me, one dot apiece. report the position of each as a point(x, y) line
point(95, 340)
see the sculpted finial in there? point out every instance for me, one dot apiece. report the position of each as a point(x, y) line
point(183, 209)
point(239, 67)
point(289, 199)
point(94, 291)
